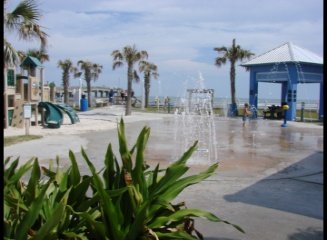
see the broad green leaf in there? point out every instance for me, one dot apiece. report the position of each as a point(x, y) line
point(109, 172)
point(7, 160)
point(138, 171)
point(97, 229)
point(31, 215)
point(49, 173)
point(123, 147)
point(78, 193)
point(111, 215)
point(175, 235)
point(172, 174)
point(16, 176)
point(74, 174)
point(50, 223)
point(183, 213)
point(11, 170)
point(176, 187)
point(30, 193)
point(73, 235)
point(137, 226)
point(186, 155)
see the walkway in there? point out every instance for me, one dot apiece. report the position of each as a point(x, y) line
point(270, 179)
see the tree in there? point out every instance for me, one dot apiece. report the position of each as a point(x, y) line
point(131, 56)
point(149, 70)
point(91, 72)
point(24, 20)
point(67, 68)
point(41, 54)
point(232, 54)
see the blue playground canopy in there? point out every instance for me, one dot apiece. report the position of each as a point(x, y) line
point(287, 65)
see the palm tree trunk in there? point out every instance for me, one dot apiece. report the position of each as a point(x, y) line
point(129, 89)
point(233, 89)
point(232, 82)
point(66, 94)
point(88, 86)
point(147, 90)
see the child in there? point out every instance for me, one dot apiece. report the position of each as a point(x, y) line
point(246, 113)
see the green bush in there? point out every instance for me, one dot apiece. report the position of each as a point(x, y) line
point(122, 201)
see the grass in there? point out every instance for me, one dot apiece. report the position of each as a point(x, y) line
point(17, 139)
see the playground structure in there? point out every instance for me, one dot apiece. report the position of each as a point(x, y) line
point(54, 114)
point(287, 65)
point(28, 88)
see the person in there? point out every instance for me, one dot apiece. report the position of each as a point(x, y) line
point(166, 101)
point(125, 95)
point(122, 95)
point(246, 113)
point(111, 96)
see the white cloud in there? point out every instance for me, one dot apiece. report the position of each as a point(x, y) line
point(178, 35)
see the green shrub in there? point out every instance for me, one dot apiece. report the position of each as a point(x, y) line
point(122, 201)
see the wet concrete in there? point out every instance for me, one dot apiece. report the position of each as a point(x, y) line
point(269, 180)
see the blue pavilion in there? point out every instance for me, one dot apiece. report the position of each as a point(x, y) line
point(288, 65)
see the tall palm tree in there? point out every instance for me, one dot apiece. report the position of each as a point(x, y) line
point(232, 54)
point(24, 20)
point(131, 56)
point(91, 72)
point(67, 68)
point(42, 55)
point(149, 70)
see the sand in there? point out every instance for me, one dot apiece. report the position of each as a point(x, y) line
point(98, 119)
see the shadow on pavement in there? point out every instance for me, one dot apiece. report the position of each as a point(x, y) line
point(309, 233)
point(297, 189)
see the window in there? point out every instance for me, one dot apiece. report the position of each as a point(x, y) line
point(11, 77)
point(11, 100)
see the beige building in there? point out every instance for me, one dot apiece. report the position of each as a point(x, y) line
point(27, 87)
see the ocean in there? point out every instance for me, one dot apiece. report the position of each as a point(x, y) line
point(223, 102)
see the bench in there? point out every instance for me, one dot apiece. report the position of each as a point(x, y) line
point(273, 112)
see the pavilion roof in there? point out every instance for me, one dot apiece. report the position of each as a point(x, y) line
point(31, 62)
point(288, 52)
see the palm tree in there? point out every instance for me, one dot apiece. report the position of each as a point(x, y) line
point(41, 54)
point(67, 68)
point(130, 55)
point(91, 72)
point(149, 70)
point(24, 20)
point(232, 54)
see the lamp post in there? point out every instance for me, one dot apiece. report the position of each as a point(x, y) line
point(80, 92)
point(143, 99)
point(42, 94)
point(302, 111)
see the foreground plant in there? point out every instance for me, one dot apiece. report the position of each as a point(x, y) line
point(125, 200)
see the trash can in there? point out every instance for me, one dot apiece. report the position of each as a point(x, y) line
point(232, 110)
point(83, 104)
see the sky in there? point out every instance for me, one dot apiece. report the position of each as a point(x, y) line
point(179, 37)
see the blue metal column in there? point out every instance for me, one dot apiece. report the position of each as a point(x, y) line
point(291, 93)
point(284, 92)
point(253, 89)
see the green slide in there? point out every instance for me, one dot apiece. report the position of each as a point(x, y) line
point(70, 112)
point(53, 115)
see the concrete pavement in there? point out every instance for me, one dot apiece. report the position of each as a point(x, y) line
point(269, 180)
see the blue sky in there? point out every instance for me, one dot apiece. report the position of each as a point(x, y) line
point(179, 37)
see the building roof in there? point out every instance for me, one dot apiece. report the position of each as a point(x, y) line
point(31, 61)
point(288, 52)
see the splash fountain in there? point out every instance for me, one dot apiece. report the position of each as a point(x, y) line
point(195, 121)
